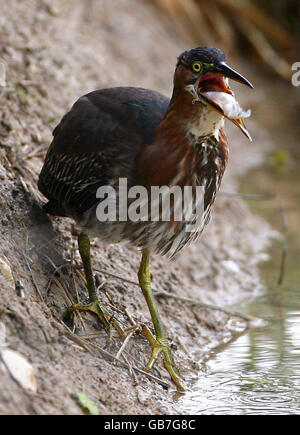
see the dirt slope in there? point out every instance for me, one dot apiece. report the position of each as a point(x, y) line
point(54, 52)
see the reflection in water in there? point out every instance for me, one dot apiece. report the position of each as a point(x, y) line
point(259, 373)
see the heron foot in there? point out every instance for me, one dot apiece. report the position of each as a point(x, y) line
point(105, 318)
point(160, 345)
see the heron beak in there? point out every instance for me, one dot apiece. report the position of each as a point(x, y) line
point(240, 124)
point(226, 71)
point(234, 75)
point(213, 90)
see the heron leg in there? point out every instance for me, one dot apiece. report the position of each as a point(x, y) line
point(160, 342)
point(95, 305)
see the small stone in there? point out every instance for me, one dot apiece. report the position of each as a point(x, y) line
point(19, 369)
point(6, 276)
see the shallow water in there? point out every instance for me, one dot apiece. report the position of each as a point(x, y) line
point(259, 373)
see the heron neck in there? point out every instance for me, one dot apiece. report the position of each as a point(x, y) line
point(185, 120)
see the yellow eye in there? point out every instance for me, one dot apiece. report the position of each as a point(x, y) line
point(197, 67)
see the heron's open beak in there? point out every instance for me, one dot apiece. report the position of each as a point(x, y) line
point(212, 89)
point(226, 71)
point(241, 125)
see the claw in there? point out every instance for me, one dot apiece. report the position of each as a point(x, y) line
point(161, 346)
point(103, 315)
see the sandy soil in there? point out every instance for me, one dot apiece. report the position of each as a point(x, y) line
point(54, 52)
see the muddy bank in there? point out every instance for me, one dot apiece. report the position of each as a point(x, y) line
point(54, 52)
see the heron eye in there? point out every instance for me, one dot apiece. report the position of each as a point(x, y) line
point(197, 67)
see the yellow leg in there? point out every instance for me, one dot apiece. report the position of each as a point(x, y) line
point(95, 305)
point(160, 342)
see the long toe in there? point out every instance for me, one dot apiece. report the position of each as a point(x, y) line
point(161, 346)
point(105, 318)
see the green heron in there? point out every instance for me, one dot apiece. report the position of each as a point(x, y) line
point(143, 137)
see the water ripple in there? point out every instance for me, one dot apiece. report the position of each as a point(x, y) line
point(257, 374)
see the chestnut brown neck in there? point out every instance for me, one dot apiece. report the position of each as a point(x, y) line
point(180, 139)
point(187, 120)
